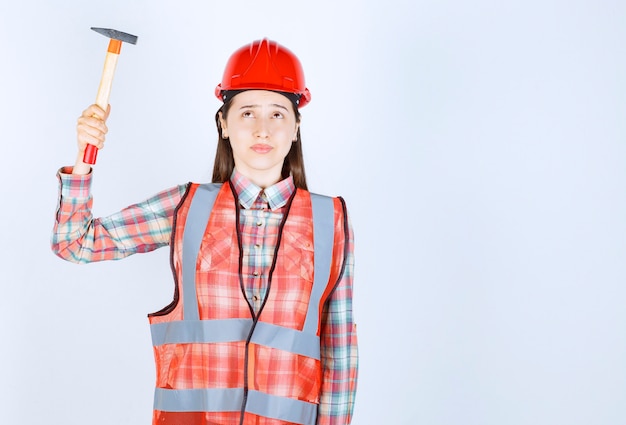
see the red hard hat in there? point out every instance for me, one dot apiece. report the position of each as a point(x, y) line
point(264, 65)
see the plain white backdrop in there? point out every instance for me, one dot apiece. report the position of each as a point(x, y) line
point(480, 147)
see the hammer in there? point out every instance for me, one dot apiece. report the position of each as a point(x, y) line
point(102, 99)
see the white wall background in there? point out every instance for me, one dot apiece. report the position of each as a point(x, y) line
point(480, 147)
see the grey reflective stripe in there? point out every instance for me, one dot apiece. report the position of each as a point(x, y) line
point(200, 331)
point(195, 225)
point(198, 400)
point(281, 408)
point(230, 330)
point(287, 339)
point(323, 239)
point(230, 400)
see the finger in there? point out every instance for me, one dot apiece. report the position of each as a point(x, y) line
point(97, 111)
point(107, 112)
point(92, 122)
point(84, 139)
point(91, 132)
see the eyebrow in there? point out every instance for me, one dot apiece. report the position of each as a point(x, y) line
point(276, 105)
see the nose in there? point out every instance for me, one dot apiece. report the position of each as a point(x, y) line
point(262, 128)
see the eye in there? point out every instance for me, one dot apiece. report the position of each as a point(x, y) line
point(247, 114)
point(277, 115)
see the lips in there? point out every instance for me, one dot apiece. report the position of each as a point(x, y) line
point(261, 148)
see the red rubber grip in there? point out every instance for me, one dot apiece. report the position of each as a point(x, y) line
point(91, 152)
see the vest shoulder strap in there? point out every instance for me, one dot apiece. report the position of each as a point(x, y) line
point(195, 225)
point(323, 239)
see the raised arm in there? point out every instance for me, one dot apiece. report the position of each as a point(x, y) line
point(78, 236)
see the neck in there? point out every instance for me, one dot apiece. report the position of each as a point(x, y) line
point(263, 179)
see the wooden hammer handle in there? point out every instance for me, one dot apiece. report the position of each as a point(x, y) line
point(104, 91)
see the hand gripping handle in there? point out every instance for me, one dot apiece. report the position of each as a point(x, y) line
point(104, 91)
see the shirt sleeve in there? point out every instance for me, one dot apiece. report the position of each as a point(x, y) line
point(80, 238)
point(339, 353)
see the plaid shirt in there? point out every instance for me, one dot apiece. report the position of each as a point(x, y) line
point(143, 227)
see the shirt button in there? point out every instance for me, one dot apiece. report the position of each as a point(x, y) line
point(259, 223)
point(255, 298)
point(256, 274)
point(257, 246)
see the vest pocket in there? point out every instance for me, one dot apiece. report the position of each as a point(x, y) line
point(297, 253)
point(218, 249)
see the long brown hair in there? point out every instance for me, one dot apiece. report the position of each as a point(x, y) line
point(225, 163)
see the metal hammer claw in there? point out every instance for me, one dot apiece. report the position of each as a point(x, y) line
point(102, 99)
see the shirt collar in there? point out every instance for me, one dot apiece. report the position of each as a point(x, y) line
point(277, 195)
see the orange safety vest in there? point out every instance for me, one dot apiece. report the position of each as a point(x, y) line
point(219, 362)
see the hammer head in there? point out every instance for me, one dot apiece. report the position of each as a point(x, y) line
point(116, 35)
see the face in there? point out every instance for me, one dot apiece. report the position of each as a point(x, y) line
point(261, 126)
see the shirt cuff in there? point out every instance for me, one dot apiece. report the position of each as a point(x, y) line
point(74, 185)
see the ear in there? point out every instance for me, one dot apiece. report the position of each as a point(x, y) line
point(223, 126)
point(295, 133)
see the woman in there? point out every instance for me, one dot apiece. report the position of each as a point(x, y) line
point(260, 329)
